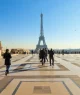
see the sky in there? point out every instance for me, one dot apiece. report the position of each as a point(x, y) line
point(20, 23)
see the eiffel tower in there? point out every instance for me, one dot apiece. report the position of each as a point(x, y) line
point(41, 37)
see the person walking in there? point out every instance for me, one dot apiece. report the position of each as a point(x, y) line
point(32, 52)
point(7, 57)
point(42, 54)
point(46, 52)
point(51, 58)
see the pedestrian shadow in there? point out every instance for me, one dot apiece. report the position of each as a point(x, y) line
point(10, 67)
point(30, 68)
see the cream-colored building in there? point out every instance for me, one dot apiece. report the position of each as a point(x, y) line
point(0, 48)
point(0, 53)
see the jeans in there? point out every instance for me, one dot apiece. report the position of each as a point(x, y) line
point(43, 60)
point(51, 59)
point(7, 68)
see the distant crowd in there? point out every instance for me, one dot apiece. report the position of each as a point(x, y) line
point(43, 56)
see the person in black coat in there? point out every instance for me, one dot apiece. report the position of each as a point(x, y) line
point(7, 57)
point(32, 52)
point(42, 55)
point(51, 53)
point(46, 52)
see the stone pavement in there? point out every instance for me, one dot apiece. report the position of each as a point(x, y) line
point(28, 77)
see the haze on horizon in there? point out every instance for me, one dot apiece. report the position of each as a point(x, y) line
point(20, 23)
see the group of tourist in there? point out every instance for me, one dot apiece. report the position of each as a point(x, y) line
point(42, 56)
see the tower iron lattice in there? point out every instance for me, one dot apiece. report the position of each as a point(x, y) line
point(41, 37)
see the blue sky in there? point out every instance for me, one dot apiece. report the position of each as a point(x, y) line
point(20, 23)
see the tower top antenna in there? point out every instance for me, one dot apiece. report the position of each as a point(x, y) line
point(41, 31)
